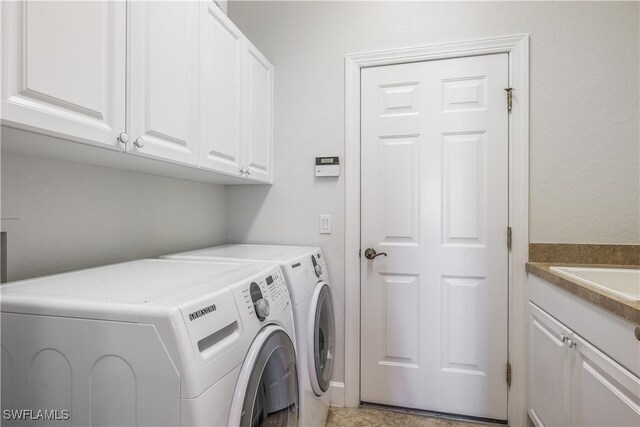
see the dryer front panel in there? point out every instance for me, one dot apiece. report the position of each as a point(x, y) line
point(322, 339)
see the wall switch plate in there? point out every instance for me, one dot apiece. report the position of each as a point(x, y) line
point(325, 224)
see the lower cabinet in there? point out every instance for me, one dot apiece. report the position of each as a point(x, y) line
point(572, 383)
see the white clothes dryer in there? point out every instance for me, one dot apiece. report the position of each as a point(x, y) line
point(307, 277)
point(153, 343)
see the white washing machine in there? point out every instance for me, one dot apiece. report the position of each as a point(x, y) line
point(153, 343)
point(307, 276)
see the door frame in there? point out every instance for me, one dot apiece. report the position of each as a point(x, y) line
point(518, 49)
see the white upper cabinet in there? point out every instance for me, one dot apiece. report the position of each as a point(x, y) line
point(236, 101)
point(163, 80)
point(63, 65)
point(221, 95)
point(174, 81)
point(258, 115)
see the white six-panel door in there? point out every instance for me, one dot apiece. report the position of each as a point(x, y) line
point(163, 84)
point(63, 68)
point(434, 197)
point(221, 98)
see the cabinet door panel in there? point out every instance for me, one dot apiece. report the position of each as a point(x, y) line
point(549, 370)
point(258, 115)
point(221, 96)
point(64, 68)
point(603, 392)
point(164, 80)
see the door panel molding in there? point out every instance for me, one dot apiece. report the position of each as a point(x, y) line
point(462, 97)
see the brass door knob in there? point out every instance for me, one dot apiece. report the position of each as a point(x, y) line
point(371, 253)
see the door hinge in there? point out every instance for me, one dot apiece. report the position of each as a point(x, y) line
point(509, 98)
point(508, 374)
point(509, 234)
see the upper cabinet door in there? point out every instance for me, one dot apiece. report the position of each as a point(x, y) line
point(258, 115)
point(221, 92)
point(64, 68)
point(163, 80)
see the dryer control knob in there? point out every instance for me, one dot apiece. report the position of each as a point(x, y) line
point(262, 308)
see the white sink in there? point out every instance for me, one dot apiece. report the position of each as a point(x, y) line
point(623, 282)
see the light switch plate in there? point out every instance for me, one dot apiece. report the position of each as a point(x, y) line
point(325, 224)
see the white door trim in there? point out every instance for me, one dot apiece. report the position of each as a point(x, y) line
point(518, 49)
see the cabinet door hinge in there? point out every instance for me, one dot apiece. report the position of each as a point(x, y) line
point(509, 98)
point(508, 374)
point(509, 238)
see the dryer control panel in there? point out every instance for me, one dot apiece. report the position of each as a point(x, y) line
point(264, 297)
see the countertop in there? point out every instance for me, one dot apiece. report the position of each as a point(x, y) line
point(612, 303)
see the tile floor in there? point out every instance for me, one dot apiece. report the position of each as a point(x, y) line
point(366, 417)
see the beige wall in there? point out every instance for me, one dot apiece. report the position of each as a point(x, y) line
point(584, 174)
point(61, 216)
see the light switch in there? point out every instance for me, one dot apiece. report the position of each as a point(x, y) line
point(325, 224)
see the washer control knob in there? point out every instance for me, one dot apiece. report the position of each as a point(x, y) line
point(262, 308)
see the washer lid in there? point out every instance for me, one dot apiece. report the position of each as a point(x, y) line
point(273, 253)
point(132, 282)
point(119, 291)
point(322, 347)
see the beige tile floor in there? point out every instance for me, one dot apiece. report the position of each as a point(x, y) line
point(366, 417)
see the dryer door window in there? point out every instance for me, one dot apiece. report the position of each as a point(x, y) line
point(324, 338)
point(271, 396)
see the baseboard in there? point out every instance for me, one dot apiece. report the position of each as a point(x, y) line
point(336, 391)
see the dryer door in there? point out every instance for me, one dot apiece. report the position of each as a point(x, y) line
point(267, 389)
point(322, 335)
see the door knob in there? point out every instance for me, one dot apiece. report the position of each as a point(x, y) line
point(371, 253)
point(139, 142)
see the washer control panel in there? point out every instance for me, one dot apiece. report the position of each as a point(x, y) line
point(267, 295)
